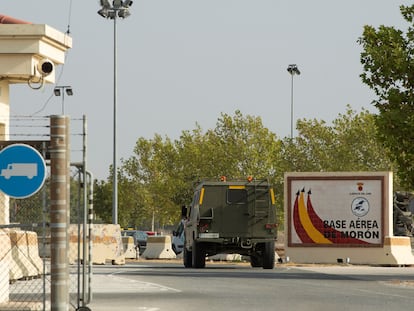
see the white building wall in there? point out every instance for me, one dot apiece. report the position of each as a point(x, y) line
point(4, 135)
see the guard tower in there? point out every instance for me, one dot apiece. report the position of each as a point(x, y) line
point(29, 54)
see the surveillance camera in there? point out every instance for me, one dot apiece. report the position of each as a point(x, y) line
point(45, 67)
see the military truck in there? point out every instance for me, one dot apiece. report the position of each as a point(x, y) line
point(231, 217)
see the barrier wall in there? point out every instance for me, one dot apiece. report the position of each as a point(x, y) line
point(159, 247)
point(106, 244)
point(5, 261)
point(130, 250)
point(395, 252)
point(25, 260)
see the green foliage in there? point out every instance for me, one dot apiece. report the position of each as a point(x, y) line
point(349, 144)
point(160, 176)
point(388, 69)
point(149, 186)
point(103, 201)
point(36, 208)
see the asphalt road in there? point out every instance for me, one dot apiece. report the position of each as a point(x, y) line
point(153, 286)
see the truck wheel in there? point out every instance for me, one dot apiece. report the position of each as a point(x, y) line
point(187, 258)
point(199, 255)
point(269, 255)
point(255, 262)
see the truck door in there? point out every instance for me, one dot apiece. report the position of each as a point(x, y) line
point(191, 223)
point(236, 215)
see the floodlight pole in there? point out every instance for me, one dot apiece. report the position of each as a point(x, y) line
point(118, 8)
point(291, 107)
point(115, 147)
point(293, 70)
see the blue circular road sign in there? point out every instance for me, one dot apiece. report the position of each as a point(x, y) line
point(22, 171)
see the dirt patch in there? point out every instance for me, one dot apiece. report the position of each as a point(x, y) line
point(404, 283)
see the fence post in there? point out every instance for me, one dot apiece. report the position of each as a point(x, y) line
point(59, 164)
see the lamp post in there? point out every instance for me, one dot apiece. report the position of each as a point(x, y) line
point(293, 70)
point(120, 9)
point(60, 91)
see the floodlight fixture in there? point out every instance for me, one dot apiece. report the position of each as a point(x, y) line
point(124, 13)
point(105, 3)
point(293, 70)
point(127, 3)
point(69, 91)
point(104, 12)
point(117, 3)
point(60, 90)
point(118, 8)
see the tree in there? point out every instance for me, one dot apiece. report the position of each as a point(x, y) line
point(388, 69)
point(245, 146)
point(160, 176)
point(239, 146)
point(349, 144)
point(148, 188)
point(165, 171)
point(103, 201)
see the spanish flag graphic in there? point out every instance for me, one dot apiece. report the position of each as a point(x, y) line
point(311, 229)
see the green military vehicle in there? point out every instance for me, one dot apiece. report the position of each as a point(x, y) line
point(231, 217)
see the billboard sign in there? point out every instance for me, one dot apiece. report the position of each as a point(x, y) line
point(335, 211)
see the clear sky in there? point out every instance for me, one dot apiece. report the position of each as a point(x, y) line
point(182, 62)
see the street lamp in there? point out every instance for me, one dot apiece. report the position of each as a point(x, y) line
point(60, 90)
point(120, 9)
point(293, 70)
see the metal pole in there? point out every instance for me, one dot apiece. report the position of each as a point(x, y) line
point(58, 213)
point(63, 101)
point(79, 233)
point(115, 175)
point(85, 206)
point(291, 108)
point(67, 163)
point(90, 225)
point(44, 217)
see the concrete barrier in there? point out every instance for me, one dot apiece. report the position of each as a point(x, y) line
point(159, 247)
point(5, 260)
point(22, 306)
point(33, 251)
point(106, 244)
point(25, 260)
point(396, 251)
point(130, 250)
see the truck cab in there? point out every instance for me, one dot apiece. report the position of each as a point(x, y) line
point(231, 217)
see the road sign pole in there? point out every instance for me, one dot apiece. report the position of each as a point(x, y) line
point(59, 164)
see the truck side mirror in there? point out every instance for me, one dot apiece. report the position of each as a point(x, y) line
point(183, 211)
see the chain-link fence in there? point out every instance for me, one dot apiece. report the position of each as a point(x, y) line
point(25, 254)
point(24, 263)
point(25, 246)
